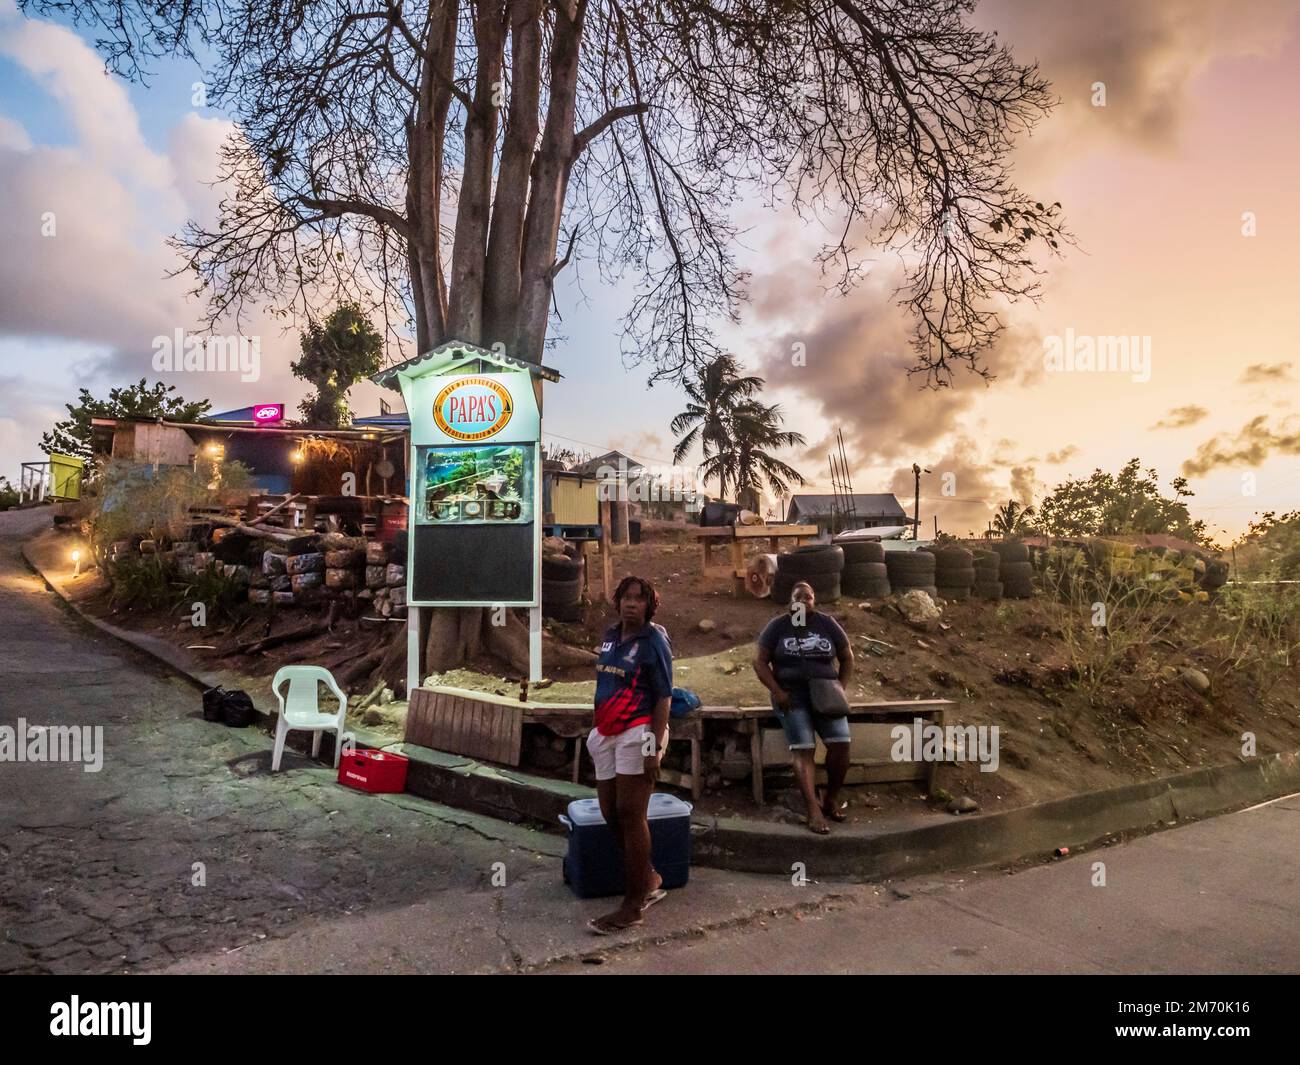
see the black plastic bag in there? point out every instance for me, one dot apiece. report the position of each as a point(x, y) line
point(235, 708)
point(212, 704)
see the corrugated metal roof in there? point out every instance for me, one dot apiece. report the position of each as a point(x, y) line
point(866, 504)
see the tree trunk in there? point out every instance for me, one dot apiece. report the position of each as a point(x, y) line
point(424, 179)
point(455, 636)
point(550, 174)
point(510, 202)
point(469, 252)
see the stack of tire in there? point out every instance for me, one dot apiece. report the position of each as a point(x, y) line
point(818, 564)
point(562, 584)
point(954, 572)
point(988, 584)
point(1015, 570)
point(865, 575)
point(911, 569)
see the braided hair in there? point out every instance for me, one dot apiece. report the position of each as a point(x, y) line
point(647, 589)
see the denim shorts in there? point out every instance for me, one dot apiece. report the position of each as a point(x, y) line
point(802, 726)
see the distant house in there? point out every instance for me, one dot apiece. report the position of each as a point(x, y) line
point(869, 511)
point(615, 462)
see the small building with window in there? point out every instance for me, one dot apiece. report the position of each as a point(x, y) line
point(860, 510)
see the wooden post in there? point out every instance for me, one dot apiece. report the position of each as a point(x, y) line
point(737, 567)
point(756, 758)
point(622, 516)
point(534, 644)
point(606, 555)
point(413, 649)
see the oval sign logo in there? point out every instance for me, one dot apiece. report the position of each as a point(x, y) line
point(268, 412)
point(472, 408)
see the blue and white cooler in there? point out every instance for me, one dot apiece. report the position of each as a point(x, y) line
point(593, 866)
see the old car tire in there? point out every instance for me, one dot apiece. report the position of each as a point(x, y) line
point(811, 559)
point(560, 568)
point(857, 552)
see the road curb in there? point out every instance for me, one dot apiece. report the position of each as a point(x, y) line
point(1076, 821)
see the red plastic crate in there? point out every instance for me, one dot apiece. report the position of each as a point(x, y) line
point(378, 772)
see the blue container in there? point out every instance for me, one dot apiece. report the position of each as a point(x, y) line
point(593, 866)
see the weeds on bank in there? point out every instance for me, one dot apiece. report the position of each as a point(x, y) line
point(148, 584)
point(1262, 637)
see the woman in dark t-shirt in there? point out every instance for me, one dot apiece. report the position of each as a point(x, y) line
point(795, 647)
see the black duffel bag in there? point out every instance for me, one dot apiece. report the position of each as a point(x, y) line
point(235, 708)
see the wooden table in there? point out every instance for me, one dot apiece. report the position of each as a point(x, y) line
point(738, 536)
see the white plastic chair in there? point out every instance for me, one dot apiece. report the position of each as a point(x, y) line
point(300, 709)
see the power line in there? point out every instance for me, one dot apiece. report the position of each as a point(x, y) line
point(606, 447)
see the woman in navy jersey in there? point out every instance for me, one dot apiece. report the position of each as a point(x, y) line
point(634, 688)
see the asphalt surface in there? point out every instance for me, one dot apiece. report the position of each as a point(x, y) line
point(185, 854)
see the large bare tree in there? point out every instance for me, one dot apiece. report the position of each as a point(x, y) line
point(445, 160)
point(442, 162)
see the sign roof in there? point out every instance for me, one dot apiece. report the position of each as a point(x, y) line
point(452, 355)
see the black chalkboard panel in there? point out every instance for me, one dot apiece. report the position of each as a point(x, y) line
point(473, 564)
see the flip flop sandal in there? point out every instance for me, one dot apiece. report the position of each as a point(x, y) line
point(595, 926)
point(657, 895)
point(838, 813)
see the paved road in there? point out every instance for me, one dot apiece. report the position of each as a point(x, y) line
point(1218, 896)
point(97, 870)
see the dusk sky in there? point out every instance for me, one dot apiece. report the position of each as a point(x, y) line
point(1196, 149)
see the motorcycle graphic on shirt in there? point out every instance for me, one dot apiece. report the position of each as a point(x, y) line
point(813, 646)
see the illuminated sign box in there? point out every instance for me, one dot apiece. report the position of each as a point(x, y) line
point(475, 531)
point(267, 413)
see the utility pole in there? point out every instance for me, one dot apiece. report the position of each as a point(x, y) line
point(916, 502)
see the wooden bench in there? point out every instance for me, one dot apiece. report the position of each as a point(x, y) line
point(750, 720)
point(487, 726)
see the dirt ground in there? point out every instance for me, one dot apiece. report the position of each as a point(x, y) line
point(1002, 664)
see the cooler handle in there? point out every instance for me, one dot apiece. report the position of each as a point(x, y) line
point(566, 822)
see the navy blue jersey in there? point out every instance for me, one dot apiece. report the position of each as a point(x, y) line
point(631, 676)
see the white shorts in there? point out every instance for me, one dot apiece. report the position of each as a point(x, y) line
point(624, 753)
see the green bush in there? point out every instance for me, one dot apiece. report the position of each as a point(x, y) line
point(143, 583)
point(135, 500)
point(149, 584)
point(226, 599)
point(1262, 631)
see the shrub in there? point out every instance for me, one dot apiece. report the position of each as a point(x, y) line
point(1262, 637)
point(137, 501)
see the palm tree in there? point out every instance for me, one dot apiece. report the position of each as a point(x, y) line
point(754, 432)
point(713, 395)
point(1012, 519)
